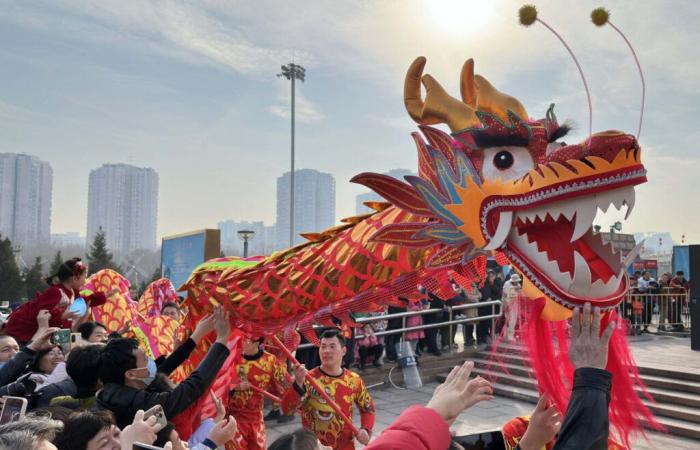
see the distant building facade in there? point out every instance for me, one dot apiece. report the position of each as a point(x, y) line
point(123, 202)
point(69, 239)
point(232, 243)
point(314, 204)
point(26, 184)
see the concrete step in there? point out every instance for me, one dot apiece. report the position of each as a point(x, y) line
point(522, 377)
point(518, 365)
point(671, 383)
point(674, 411)
point(662, 395)
point(669, 373)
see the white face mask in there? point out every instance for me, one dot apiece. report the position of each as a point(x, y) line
point(152, 369)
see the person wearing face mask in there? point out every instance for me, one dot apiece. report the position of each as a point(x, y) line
point(126, 372)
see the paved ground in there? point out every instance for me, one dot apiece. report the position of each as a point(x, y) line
point(485, 416)
point(663, 351)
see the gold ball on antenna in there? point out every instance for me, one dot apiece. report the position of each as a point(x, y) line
point(600, 16)
point(528, 15)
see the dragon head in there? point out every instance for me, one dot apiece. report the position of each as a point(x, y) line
point(507, 183)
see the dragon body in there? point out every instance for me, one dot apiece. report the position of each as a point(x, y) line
point(501, 183)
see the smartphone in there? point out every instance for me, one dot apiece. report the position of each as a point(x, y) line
point(140, 446)
point(78, 306)
point(13, 409)
point(487, 440)
point(76, 340)
point(157, 411)
point(61, 337)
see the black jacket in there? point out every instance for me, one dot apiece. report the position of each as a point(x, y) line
point(16, 366)
point(177, 357)
point(586, 423)
point(64, 388)
point(124, 401)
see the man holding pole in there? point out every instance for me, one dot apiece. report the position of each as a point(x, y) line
point(342, 386)
point(258, 372)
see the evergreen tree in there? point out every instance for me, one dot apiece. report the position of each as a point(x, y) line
point(11, 288)
point(57, 262)
point(99, 256)
point(156, 276)
point(34, 279)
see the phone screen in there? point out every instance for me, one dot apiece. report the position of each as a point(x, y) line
point(140, 446)
point(489, 440)
point(13, 409)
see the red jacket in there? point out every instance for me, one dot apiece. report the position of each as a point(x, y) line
point(417, 428)
point(22, 322)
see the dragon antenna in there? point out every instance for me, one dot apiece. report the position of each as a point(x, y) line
point(601, 16)
point(528, 16)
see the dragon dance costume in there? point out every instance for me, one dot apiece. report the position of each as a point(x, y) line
point(502, 184)
point(316, 415)
point(264, 371)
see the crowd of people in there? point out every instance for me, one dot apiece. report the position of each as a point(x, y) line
point(105, 392)
point(665, 297)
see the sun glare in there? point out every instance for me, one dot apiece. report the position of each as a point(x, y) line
point(459, 17)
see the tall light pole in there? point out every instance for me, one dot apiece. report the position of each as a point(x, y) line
point(245, 236)
point(292, 72)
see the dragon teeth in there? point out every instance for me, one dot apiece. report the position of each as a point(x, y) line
point(505, 222)
point(629, 201)
point(581, 210)
point(581, 285)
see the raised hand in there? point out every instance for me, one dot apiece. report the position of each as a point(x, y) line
point(42, 339)
point(458, 393)
point(203, 328)
point(545, 423)
point(220, 410)
point(588, 347)
point(222, 325)
point(42, 319)
point(140, 430)
point(223, 431)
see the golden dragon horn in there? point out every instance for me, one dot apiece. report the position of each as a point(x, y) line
point(439, 106)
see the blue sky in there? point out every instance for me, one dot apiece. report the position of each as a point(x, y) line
point(189, 88)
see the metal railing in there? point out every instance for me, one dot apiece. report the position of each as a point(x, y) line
point(450, 310)
point(663, 310)
point(667, 310)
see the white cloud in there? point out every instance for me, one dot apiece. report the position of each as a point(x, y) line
point(178, 30)
point(305, 110)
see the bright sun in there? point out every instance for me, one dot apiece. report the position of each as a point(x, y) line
point(459, 16)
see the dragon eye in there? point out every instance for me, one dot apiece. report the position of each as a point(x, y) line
point(503, 160)
point(506, 163)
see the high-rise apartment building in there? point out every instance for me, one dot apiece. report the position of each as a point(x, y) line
point(25, 199)
point(123, 202)
point(314, 204)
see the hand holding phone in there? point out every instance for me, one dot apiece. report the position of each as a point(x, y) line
point(13, 409)
point(61, 337)
point(159, 414)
